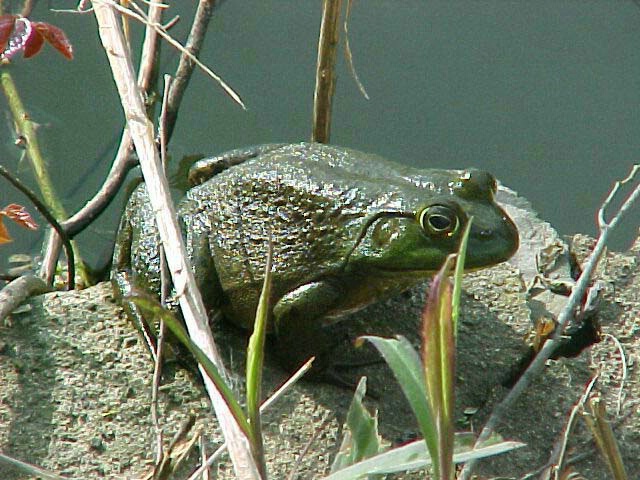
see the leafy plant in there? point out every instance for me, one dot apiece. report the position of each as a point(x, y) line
point(19, 215)
point(19, 34)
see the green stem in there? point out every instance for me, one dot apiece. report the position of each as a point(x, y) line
point(27, 129)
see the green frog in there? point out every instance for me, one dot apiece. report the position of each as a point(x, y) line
point(348, 228)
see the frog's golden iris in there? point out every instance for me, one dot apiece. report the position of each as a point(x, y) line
point(348, 228)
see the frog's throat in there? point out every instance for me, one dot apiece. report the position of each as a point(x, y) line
point(370, 221)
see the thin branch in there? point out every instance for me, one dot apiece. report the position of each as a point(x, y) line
point(282, 389)
point(347, 52)
point(44, 211)
point(174, 43)
point(18, 290)
point(559, 463)
point(186, 65)
point(124, 160)
point(122, 164)
point(574, 300)
point(326, 71)
point(30, 469)
point(193, 309)
point(27, 8)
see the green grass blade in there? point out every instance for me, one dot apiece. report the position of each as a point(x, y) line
point(415, 456)
point(255, 364)
point(360, 439)
point(457, 277)
point(405, 365)
point(438, 363)
point(153, 307)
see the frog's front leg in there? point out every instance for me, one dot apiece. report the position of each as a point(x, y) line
point(300, 324)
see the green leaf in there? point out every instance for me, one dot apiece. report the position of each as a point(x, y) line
point(153, 308)
point(405, 365)
point(457, 277)
point(438, 358)
point(255, 363)
point(361, 439)
point(414, 456)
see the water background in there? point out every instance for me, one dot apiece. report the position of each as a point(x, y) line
point(544, 94)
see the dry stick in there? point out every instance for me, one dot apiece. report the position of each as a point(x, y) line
point(27, 8)
point(124, 160)
point(139, 15)
point(325, 71)
point(538, 363)
point(44, 211)
point(186, 65)
point(164, 291)
point(30, 469)
point(193, 310)
point(559, 463)
point(282, 389)
point(18, 290)
point(347, 52)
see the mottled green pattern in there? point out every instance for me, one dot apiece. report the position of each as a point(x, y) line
point(345, 226)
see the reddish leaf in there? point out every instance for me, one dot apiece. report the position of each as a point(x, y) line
point(33, 44)
point(4, 234)
point(6, 27)
point(19, 214)
point(56, 38)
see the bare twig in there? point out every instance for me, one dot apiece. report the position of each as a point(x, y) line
point(124, 160)
point(623, 361)
point(27, 8)
point(186, 65)
point(325, 71)
point(174, 43)
point(559, 463)
point(538, 363)
point(18, 290)
point(193, 310)
point(27, 129)
point(102, 199)
point(349, 55)
point(164, 294)
point(44, 211)
point(30, 469)
point(284, 388)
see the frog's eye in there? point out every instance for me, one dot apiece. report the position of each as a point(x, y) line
point(439, 220)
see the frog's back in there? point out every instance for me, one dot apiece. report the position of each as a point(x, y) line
point(298, 196)
point(312, 199)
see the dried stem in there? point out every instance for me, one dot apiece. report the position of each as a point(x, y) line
point(186, 65)
point(538, 363)
point(27, 130)
point(18, 290)
point(325, 71)
point(193, 310)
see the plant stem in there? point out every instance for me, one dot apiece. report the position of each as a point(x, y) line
point(326, 71)
point(27, 130)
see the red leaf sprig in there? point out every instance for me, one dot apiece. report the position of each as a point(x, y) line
point(18, 214)
point(19, 34)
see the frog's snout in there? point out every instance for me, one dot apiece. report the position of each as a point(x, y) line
point(492, 243)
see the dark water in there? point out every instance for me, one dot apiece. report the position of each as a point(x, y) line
point(544, 94)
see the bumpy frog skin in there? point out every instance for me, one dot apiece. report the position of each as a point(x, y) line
point(348, 228)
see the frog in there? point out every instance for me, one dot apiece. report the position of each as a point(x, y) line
point(346, 229)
